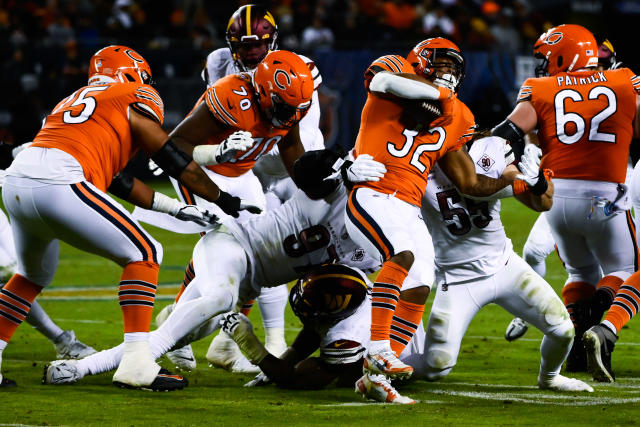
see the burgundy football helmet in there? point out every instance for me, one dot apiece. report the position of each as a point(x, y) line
point(328, 293)
point(251, 34)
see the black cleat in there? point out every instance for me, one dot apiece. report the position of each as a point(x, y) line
point(6, 383)
point(165, 381)
point(599, 342)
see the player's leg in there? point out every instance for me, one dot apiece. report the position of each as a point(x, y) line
point(522, 292)
point(581, 265)
point(539, 245)
point(37, 255)
point(387, 228)
point(621, 264)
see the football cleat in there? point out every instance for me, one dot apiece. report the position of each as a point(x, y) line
point(224, 353)
point(137, 367)
point(183, 358)
point(562, 383)
point(61, 372)
point(164, 313)
point(387, 363)
point(6, 382)
point(599, 342)
point(378, 387)
point(164, 381)
point(68, 347)
point(516, 329)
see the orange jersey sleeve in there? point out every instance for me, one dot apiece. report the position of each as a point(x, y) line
point(392, 63)
point(232, 102)
point(92, 125)
point(585, 122)
point(407, 154)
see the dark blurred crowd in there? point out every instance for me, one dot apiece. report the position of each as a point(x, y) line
point(45, 44)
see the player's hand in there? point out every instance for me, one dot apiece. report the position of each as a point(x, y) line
point(232, 205)
point(238, 141)
point(196, 214)
point(260, 380)
point(364, 168)
point(154, 168)
point(534, 153)
point(529, 167)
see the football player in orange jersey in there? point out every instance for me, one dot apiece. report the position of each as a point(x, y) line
point(585, 120)
point(55, 190)
point(384, 216)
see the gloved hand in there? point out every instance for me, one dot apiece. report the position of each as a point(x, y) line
point(182, 211)
point(154, 168)
point(207, 155)
point(232, 205)
point(260, 380)
point(239, 327)
point(362, 169)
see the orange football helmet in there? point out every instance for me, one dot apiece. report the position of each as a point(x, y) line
point(566, 47)
point(284, 87)
point(114, 64)
point(251, 34)
point(426, 58)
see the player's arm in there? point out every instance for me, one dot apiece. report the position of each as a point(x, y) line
point(196, 128)
point(291, 148)
point(459, 167)
point(539, 203)
point(522, 120)
point(407, 86)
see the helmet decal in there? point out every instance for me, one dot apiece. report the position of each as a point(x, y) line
point(277, 80)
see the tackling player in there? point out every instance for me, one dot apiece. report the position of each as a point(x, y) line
point(585, 120)
point(384, 216)
point(476, 266)
point(55, 190)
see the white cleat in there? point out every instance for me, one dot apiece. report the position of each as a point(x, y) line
point(378, 387)
point(562, 383)
point(68, 347)
point(183, 358)
point(224, 353)
point(516, 329)
point(164, 313)
point(61, 372)
point(386, 362)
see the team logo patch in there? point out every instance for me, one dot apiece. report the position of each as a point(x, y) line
point(358, 255)
point(485, 163)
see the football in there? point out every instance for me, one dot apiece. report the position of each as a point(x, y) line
point(422, 112)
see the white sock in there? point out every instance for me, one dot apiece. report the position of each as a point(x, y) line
point(553, 352)
point(379, 345)
point(40, 320)
point(102, 361)
point(136, 336)
point(272, 302)
point(610, 326)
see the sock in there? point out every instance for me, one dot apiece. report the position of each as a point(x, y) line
point(384, 298)
point(553, 352)
point(39, 319)
point(606, 291)
point(574, 292)
point(272, 302)
point(626, 303)
point(404, 324)
point(15, 302)
point(246, 307)
point(137, 294)
point(189, 274)
point(102, 361)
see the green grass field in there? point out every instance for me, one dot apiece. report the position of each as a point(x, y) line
point(494, 382)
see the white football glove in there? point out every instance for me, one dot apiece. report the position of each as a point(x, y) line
point(182, 211)
point(154, 168)
point(260, 380)
point(206, 155)
point(362, 169)
point(530, 167)
point(239, 327)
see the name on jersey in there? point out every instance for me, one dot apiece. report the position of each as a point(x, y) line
point(574, 81)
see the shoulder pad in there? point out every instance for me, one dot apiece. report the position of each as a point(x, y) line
point(149, 103)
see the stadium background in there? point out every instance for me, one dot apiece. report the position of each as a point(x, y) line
point(45, 46)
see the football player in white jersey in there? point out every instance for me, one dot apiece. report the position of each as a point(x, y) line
point(476, 266)
point(233, 263)
point(65, 342)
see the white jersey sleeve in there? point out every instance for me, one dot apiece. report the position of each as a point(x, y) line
point(220, 63)
point(468, 236)
point(300, 234)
